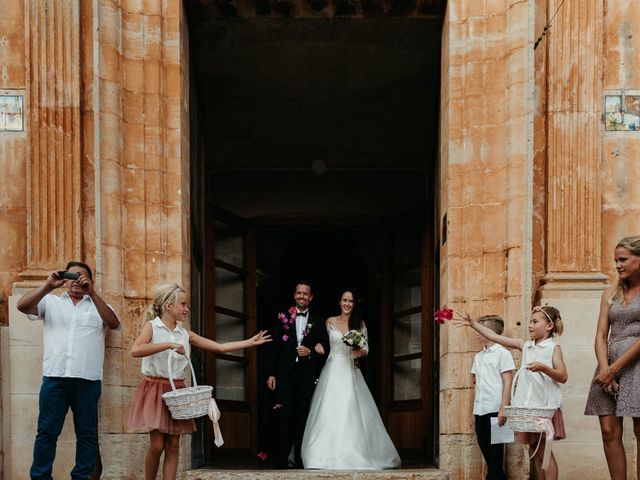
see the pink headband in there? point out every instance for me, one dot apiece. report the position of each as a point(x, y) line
point(540, 309)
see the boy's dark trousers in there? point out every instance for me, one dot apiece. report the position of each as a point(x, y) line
point(493, 454)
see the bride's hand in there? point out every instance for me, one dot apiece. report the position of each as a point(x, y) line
point(319, 349)
point(358, 352)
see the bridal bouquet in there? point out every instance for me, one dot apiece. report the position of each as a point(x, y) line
point(354, 339)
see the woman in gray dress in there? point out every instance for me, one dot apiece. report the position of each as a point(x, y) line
point(614, 391)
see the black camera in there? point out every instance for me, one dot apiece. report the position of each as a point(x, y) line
point(70, 275)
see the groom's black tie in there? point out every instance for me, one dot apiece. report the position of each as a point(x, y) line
point(302, 314)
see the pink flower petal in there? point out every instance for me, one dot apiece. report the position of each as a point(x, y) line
point(443, 314)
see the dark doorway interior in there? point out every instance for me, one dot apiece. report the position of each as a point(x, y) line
point(331, 258)
point(319, 135)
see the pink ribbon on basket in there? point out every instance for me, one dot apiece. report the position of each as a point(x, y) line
point(546, 427)
point(214, 415)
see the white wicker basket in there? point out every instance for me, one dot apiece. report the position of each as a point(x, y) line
point(188, 402)
point(527, 419)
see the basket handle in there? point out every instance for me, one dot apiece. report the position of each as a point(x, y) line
point(528, 398)
point(193, 375)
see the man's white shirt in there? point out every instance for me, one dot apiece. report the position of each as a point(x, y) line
point(73, 337)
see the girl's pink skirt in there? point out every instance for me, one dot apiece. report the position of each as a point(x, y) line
point(558, 426)
point(149, 411)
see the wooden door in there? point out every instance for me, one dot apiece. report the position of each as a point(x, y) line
point(407, 302)
point(230, 315)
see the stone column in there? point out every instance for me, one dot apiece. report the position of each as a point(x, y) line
point(574, 46)
point(54, 171)
point(573, 282)
point(54, 183)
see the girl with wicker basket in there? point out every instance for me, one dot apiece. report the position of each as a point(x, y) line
point(540, 354)
point(163, 333)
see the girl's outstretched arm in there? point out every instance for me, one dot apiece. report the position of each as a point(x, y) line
point(142, 347)
point(208, 344)
point(559, 370)
point(508, 342)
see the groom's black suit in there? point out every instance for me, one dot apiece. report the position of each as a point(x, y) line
point(295, 382)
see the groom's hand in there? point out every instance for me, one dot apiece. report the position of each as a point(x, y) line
point(303, 351)
point(271, 383)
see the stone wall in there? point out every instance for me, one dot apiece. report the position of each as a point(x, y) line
point(486, 170)
point(105, 156)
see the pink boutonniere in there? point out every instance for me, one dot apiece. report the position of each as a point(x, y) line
point(287, 320)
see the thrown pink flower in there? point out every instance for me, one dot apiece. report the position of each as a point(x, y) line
point(285, 337)
point(282, 317)
point(262, 456)
point(286, 327)
point(293, 311)
point(277, 406)
point(443, 314)
point(304, 333)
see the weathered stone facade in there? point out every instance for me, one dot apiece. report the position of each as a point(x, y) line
point(535, 193)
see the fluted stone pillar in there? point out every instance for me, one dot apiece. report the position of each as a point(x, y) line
point(573, 280)
point(54, 193)
point(54, 172)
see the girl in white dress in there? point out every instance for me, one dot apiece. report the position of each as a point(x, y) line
point(162, 333)
point(344, 430)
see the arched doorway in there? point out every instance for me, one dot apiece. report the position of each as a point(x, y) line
point(315, 147)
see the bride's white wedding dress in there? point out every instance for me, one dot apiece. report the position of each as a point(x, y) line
point(344, 430)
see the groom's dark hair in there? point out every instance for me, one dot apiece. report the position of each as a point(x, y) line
point(304, 282)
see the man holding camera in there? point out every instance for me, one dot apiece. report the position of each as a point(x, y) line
point(74, 326)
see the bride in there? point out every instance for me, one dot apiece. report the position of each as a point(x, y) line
point(344, 430)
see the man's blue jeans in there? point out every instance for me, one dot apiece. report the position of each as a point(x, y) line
point(57, 394)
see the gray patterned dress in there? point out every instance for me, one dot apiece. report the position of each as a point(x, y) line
point(624, 331)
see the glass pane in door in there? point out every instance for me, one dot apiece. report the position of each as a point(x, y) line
point(229, 244)
point(407, 334)
point(230, 328)
point(407, 290)
point(406, 380)
point(230, 380)
point(229, 290)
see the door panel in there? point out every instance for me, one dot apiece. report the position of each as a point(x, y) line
point(230, 288)
point(408, 385)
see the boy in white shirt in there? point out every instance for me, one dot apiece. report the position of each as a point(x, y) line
point(493, 368)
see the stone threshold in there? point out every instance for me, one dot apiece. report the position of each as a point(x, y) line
point(418, 474)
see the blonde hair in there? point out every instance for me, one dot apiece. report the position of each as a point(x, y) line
point(552, 314)
point(494, 322)
point(163, 294)
point(619, 292)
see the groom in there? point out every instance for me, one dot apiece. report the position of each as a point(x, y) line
point(293, 369)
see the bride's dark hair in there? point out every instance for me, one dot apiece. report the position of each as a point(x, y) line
point(355, 319)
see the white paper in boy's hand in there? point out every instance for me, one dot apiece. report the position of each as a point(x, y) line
point(500, 434)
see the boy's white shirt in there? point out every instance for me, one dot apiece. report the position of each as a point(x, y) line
point(488, 366)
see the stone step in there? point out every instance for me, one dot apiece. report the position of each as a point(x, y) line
point(418, 474)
